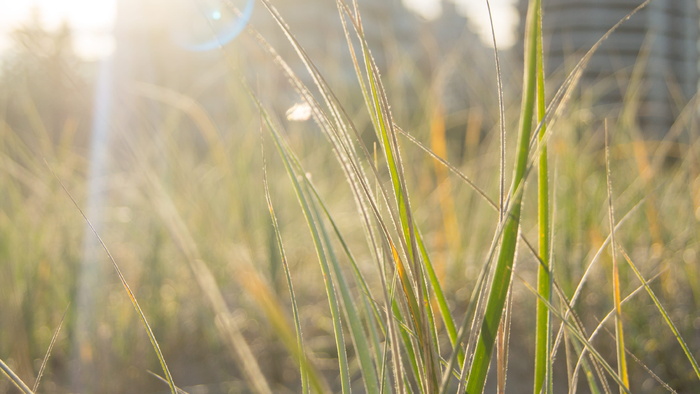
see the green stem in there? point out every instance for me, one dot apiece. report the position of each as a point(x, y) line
point(502, 274)
point(543, 364)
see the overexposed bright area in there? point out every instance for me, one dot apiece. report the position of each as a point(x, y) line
point(91, 22)
point(505, 17)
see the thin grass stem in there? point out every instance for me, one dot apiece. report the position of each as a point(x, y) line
point(503, 270)
point(543, 364)
point(127, 288)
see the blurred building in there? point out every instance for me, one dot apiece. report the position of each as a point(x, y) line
point(652, 57)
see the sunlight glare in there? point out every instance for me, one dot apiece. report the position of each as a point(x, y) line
point(206, 25)
point(91, 22)
point(505, 17)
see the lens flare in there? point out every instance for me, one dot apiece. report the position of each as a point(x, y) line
point(204, 25)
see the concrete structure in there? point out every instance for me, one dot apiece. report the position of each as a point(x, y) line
point(658, 45)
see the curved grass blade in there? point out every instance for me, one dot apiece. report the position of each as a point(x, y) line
point(587, 370)
point(579, 288)
point(411, 280)
point(226, 323)
point(318, 244)
point(447, 318)
point(564, 92)
point(337, 133)
point(48, 351)
point(504, 327)
point(664, 314)
point(410, 275)
point(130, 293)
point(266, 298)
point(345, 153)
point(574, 330)
point(323, 240)
point(369, 302)
point(306, 370)
point(358, 335)
point(501, 115)
point(581, 359)
point(575, 322)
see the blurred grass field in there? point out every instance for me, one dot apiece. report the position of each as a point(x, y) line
point(185, 217)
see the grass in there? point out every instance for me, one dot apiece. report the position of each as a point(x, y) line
point(362, 253)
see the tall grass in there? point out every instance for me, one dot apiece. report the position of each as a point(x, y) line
point(365, 255)
point(543, 330)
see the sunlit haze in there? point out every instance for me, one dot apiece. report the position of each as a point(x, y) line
point(92, 21)
point(504, 17)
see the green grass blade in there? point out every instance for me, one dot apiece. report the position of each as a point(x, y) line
point(501, 117)
point(664, 314)
point(564, 92)
point(452, 169)
point(359, 337)
point(574, 329)
point(502, 274)
point(411, 280)
point(303, 369)
point(587, 371)
point(335, 131)
point(543, 364)
point(406, 337)
point(48, 351)
point(619, 331)
point(447, 318)
point(263, 294)
point(127, 288)
point(582, 359)
point(575, 321)
point(464, 329)
point(370, 305)
point(377, 106)
point(321, 255)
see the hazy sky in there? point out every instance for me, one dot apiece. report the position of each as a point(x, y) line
point(92, 19)
point(504, 14)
